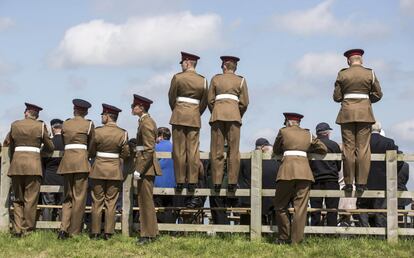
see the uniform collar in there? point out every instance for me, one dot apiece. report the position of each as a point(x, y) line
point(111, 124)
point(143, 116)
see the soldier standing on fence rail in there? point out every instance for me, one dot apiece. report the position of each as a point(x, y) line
point(146, 168)
point(111, 144)
point(294, 177)
point(356, 88)
point(78, 137)
point(188, 101)
point(25, 139)
point(227, 100)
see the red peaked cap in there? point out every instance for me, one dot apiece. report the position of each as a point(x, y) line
point(140, 100)
point(188, 56)
point(353, 52)
point(110, 109)
point(33, 107)
point(229, 58)
point(81, 104)
point(293, 116)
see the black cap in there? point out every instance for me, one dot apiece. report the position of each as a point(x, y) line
point(82, 104)
point(262, 142)
point(56, 121)
point(106, 108)
point(188, 56)
point(353, 52)
point(33, 107)
point(322, 127)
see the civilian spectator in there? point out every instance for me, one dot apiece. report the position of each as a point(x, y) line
point(326, 178)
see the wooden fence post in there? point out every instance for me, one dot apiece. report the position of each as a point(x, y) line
point(127, 197)
point(256, 196)
point(392, 201)
point(4, 190)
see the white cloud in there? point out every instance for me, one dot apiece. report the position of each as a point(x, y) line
point(407, 7)
point(321, 20)
point(140, 41)
point(77, 83)
point(5, 23)
point(403, 132)
point(320, 64)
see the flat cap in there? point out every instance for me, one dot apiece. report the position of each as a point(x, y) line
point(33, 107)
point(322, 127)
point(82, 104)
point(188, 56)
point(262, 142)
point(56, 121)
point(106, 108)
point(229, 58)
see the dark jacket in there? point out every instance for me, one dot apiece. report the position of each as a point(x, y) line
point(377, 178)
point(402, 179)
point(50, 165)
point(327, 170)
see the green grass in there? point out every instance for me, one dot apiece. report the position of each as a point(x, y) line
point(45, 244)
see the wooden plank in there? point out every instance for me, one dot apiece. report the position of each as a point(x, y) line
point(203, 228)
point(51, 189)
point(392, 200)
point(333, 193)
point(333, 230)
point(201, 192)
point(256, 196)
point(127, 197)
point(5, 183)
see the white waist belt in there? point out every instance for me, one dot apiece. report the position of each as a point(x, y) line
point(188, 100)
point(140, 148)
point(356, 96)
point(107, 155)
point(227, 96)
point(27, 148)
point(295, 153)
point(76, 146)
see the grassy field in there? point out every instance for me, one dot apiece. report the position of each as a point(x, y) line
point(45, 244)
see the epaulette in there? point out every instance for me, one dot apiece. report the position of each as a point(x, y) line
point(343, 69)
point(68, 119)
point(88, 120)
point(41, 121)
point(306, 129)
point(240, 76)
point(99, 127)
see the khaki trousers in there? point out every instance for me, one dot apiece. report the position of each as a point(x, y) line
point(357, 152)
point(186, 153)
point(75, 187)
point(147, 217)
point(221, 131)
point(297, 192)
point(26, 195)
point(104, 193)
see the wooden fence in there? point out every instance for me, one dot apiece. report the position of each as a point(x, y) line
point(255, 192)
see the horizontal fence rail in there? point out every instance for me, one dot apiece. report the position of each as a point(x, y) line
point(256, 193)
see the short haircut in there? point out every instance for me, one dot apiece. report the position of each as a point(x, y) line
point(32, 113)
point(193, 63)
point(80, 112)
point(164, 132)
point(113, 117)
point(355, 58)
point(230, 65)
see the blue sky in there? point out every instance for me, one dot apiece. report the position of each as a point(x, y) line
point(291, 51)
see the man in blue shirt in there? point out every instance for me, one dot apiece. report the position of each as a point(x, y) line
point(167, 180)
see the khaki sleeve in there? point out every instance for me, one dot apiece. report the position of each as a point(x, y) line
point(211, 98)
point(91, 138)
point(376, 93)
point(243, 98)
point(9, 142)
point(204, 97)
point(172, 93)
point(48, 145)
point(125, 147)
point(278, 145)
point(318, 146)
point(338, 95)
point(148, 137)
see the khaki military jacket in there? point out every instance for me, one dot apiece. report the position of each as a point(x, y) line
point(228, 109)
point(188, 84)
point(146, 161)
point(356, 79)
point(77, 130)
point(295, 138)
point(30, 133)
point(109, 139)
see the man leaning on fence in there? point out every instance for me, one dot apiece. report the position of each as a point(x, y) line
point(110, 146)
point(78, 137)
point(294, 177)
point(356, 88)
point(25, 139)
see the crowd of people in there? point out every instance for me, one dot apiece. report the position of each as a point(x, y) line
point(92, 161)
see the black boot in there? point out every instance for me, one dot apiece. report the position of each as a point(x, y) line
point(217, 187)
point(17, 235)
point(145, 240)
point(348, 188)
point(191, 187)
point(179, 187)
point(62, 235)
point(231, 188)
point(283, 241)
point(360, 188)
point(94, 236)
point(107, 236)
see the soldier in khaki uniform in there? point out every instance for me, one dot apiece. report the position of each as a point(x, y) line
point(111, 144)
point(78, 137)
point(188, 100)
point(356, 88)
point(25, 139)
point(294, 177)
point(227, 100)
point(146, 168)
